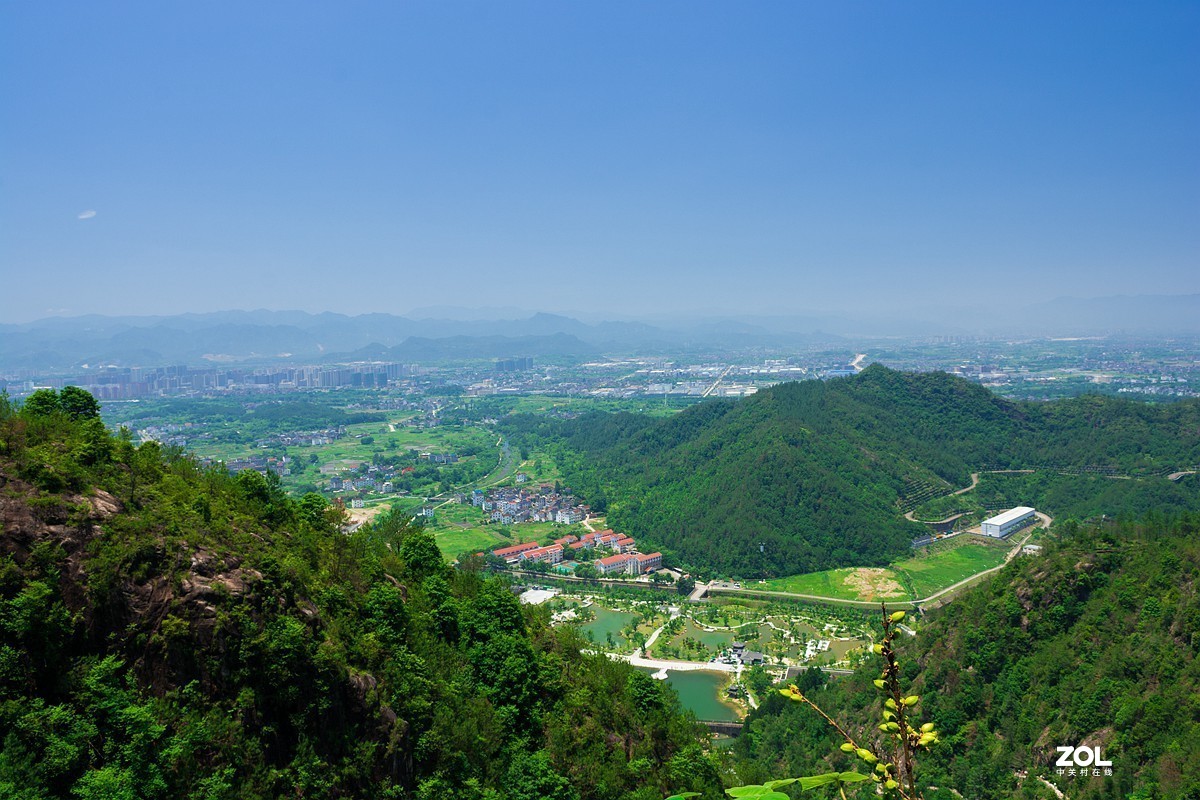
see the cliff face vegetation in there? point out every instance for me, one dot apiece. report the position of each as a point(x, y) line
point(805, 476)
point(169, 631)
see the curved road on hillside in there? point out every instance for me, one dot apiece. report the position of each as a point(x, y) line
point(974, 482)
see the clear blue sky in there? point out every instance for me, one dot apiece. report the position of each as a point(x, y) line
point(629, 157)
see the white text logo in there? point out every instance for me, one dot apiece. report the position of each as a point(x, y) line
point(1081, 757)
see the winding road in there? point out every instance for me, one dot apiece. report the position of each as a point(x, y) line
point(974, 482)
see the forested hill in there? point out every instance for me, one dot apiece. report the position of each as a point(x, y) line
point(168, 631)
point(1096, 642)
point(805, 476)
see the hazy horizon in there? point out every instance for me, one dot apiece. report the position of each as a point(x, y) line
point(638, 161)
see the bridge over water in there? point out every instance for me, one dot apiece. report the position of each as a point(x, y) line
point(726, 728)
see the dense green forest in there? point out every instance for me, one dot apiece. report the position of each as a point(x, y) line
point(1095, 642)
point(806, 476)
point(170, 631)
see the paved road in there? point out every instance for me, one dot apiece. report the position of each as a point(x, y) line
point(505, 467)
point(974, 482)
point(1046, 519)
point(678, 666)
point(717, 382)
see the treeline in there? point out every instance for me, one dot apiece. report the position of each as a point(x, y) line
point(1095, 642)
point(170, 631)
point(807, 476)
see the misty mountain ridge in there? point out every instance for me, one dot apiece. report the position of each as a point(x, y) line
point(237, 335)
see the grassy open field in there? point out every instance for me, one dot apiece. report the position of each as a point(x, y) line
point(848, 583)
point(463, 529)
point(931, 573)
point(912, 578)
point(540, 468)
point(454, 543)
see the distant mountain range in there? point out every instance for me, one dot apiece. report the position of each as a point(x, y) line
point(241, 336)
point(232, 336)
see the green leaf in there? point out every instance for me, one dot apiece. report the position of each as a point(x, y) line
point(780, 782)
point(747, 791)
point(757, 792)
point(819, 780)
point(682, 795)
point(853, 777)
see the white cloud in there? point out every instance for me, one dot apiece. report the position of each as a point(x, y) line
point(87, 214)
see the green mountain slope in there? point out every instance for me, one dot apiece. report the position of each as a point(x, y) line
point(1096, 643)
point(168, 631)
point(807, 476)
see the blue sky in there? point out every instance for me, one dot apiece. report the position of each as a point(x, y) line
point(621, 157)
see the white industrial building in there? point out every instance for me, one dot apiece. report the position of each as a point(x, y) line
point(1002, 525)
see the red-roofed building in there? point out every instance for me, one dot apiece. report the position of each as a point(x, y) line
point(566, 540)
point(644, 562)
point(513, 553)
point(617, 563)
point(624, 544)
point(552, 553)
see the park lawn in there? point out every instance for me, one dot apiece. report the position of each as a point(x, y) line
point(931, 573)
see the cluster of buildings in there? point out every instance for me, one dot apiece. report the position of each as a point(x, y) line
point(625, 560)
point(129, 383)
point(508, 505)
point(520, 364)
point(315, 438)
point(629, 564)
point(378, 478)
point(263, 464)
point(738, 654)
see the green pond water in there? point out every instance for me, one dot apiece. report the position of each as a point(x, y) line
point(606, 622)
point(698, 692)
